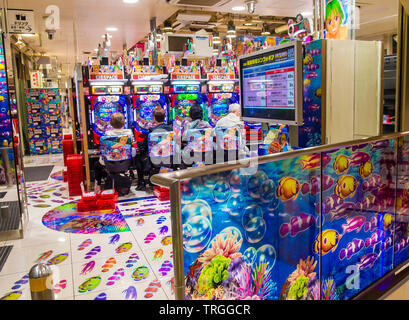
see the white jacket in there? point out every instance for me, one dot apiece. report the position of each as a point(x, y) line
point(233, 121)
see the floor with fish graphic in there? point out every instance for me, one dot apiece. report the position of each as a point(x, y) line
point(122, 254)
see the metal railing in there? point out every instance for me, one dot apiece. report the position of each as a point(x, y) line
point(172, 181)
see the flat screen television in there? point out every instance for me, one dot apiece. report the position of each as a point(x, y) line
point(271, 86)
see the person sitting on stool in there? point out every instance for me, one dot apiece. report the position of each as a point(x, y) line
point(117, 122)
point(142, 158)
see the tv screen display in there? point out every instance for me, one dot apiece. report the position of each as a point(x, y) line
point(271, 85)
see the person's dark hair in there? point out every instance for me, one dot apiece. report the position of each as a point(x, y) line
point(196, 112)
point(159, 114)
point(117, 120)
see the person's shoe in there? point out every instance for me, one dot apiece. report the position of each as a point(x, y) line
point(149, 189)
point(140, 188)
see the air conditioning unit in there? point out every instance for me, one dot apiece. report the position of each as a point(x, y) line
point(174, 44)
point(208, 4)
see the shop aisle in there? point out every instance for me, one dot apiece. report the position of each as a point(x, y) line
point(400, 293)
point(118, 255)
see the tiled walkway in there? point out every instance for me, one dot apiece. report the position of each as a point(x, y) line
point(132, 261)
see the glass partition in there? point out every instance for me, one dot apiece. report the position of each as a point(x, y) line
point(298, 226)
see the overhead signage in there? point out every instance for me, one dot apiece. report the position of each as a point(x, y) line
point(142, 72)
point(20, 21)
point(186, 73)
point(111, 72)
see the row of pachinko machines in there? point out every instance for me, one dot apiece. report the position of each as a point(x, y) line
point(137, 102)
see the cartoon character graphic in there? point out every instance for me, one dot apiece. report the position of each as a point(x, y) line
point(334, 18)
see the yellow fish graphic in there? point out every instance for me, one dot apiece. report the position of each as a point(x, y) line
point(330, 241)
point(288, 188)
point(365, 170)
point(341, 164)
point(346, 187)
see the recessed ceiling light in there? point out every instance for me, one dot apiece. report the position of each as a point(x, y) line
point(307, 13)
point(111, 29)
point(238, 8)
point(130, 1)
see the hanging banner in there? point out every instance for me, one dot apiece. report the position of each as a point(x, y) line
point(338, 19)
point(20, 21)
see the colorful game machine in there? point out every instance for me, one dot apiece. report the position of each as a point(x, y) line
point(148, 89)
point(106, 95)
point(185, 91)
point(221, 92)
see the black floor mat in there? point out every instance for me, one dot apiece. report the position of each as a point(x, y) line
point(13, 220)
point(40, 173)
point(4, 254)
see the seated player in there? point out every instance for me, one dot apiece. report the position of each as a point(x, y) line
point(233, 120)
point(143, 165)
point(197, 122)
point(117, 122)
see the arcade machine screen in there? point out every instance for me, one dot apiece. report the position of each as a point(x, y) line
point(102, 108)
point(221, 96)
point(147, 98)
point(183, 98)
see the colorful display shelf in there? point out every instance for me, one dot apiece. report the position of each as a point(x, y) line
point(44, 121)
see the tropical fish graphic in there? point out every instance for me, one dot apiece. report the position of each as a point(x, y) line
point(14, 295)
point(101, 296)
point(93, 252)
point(330, 241)
point(352, 248)
point(166, 240)
point(114, 239)
point(297, 224)
point(130, 293)
point(160, 220)
point(171, 283)
point(387, 221)
point(60, 286)
point(133, 258)
point(332, 202)
point(288, 188)
point(354, 223)
point(373, 183)
point(124, 247)
point(163, 230)
point(140, 222)
point(158, 254)
point(366, 169)
point(89, 284)
point(341, 164)
point(120, 273)
point(108, 264)
point(85, 244)
point(367, 261)
point(152, 288)
point(359, 158)
point(371, 225)
point(150, 237)
point(365, 204)
point(88, 267)
point(375, 238)
point(140, 273)
point(346, 186)
point(44, 255)
point(18, 284)
point(380, 145)
point(342, 210)
point(57, 259)
point(165, 268)
point(401, 245)
point(388, 243)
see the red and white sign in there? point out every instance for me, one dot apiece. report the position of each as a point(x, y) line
point(186, 73)
point(111, 72)
point(220, 76)
point(35, 79)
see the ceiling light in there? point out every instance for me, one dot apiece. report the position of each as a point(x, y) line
point(111, 29)
point(238, 8)
point(265, 32)
point(306, 14)
point(130, 1)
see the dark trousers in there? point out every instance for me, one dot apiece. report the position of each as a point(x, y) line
point(100, 172)
point(142, 166)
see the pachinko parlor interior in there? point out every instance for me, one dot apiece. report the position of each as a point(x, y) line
point(227, 150)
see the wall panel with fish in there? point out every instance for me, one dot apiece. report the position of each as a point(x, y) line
point(252, 236)
point(268, 234)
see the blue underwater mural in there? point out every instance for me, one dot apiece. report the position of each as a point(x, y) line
point(267, 234)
